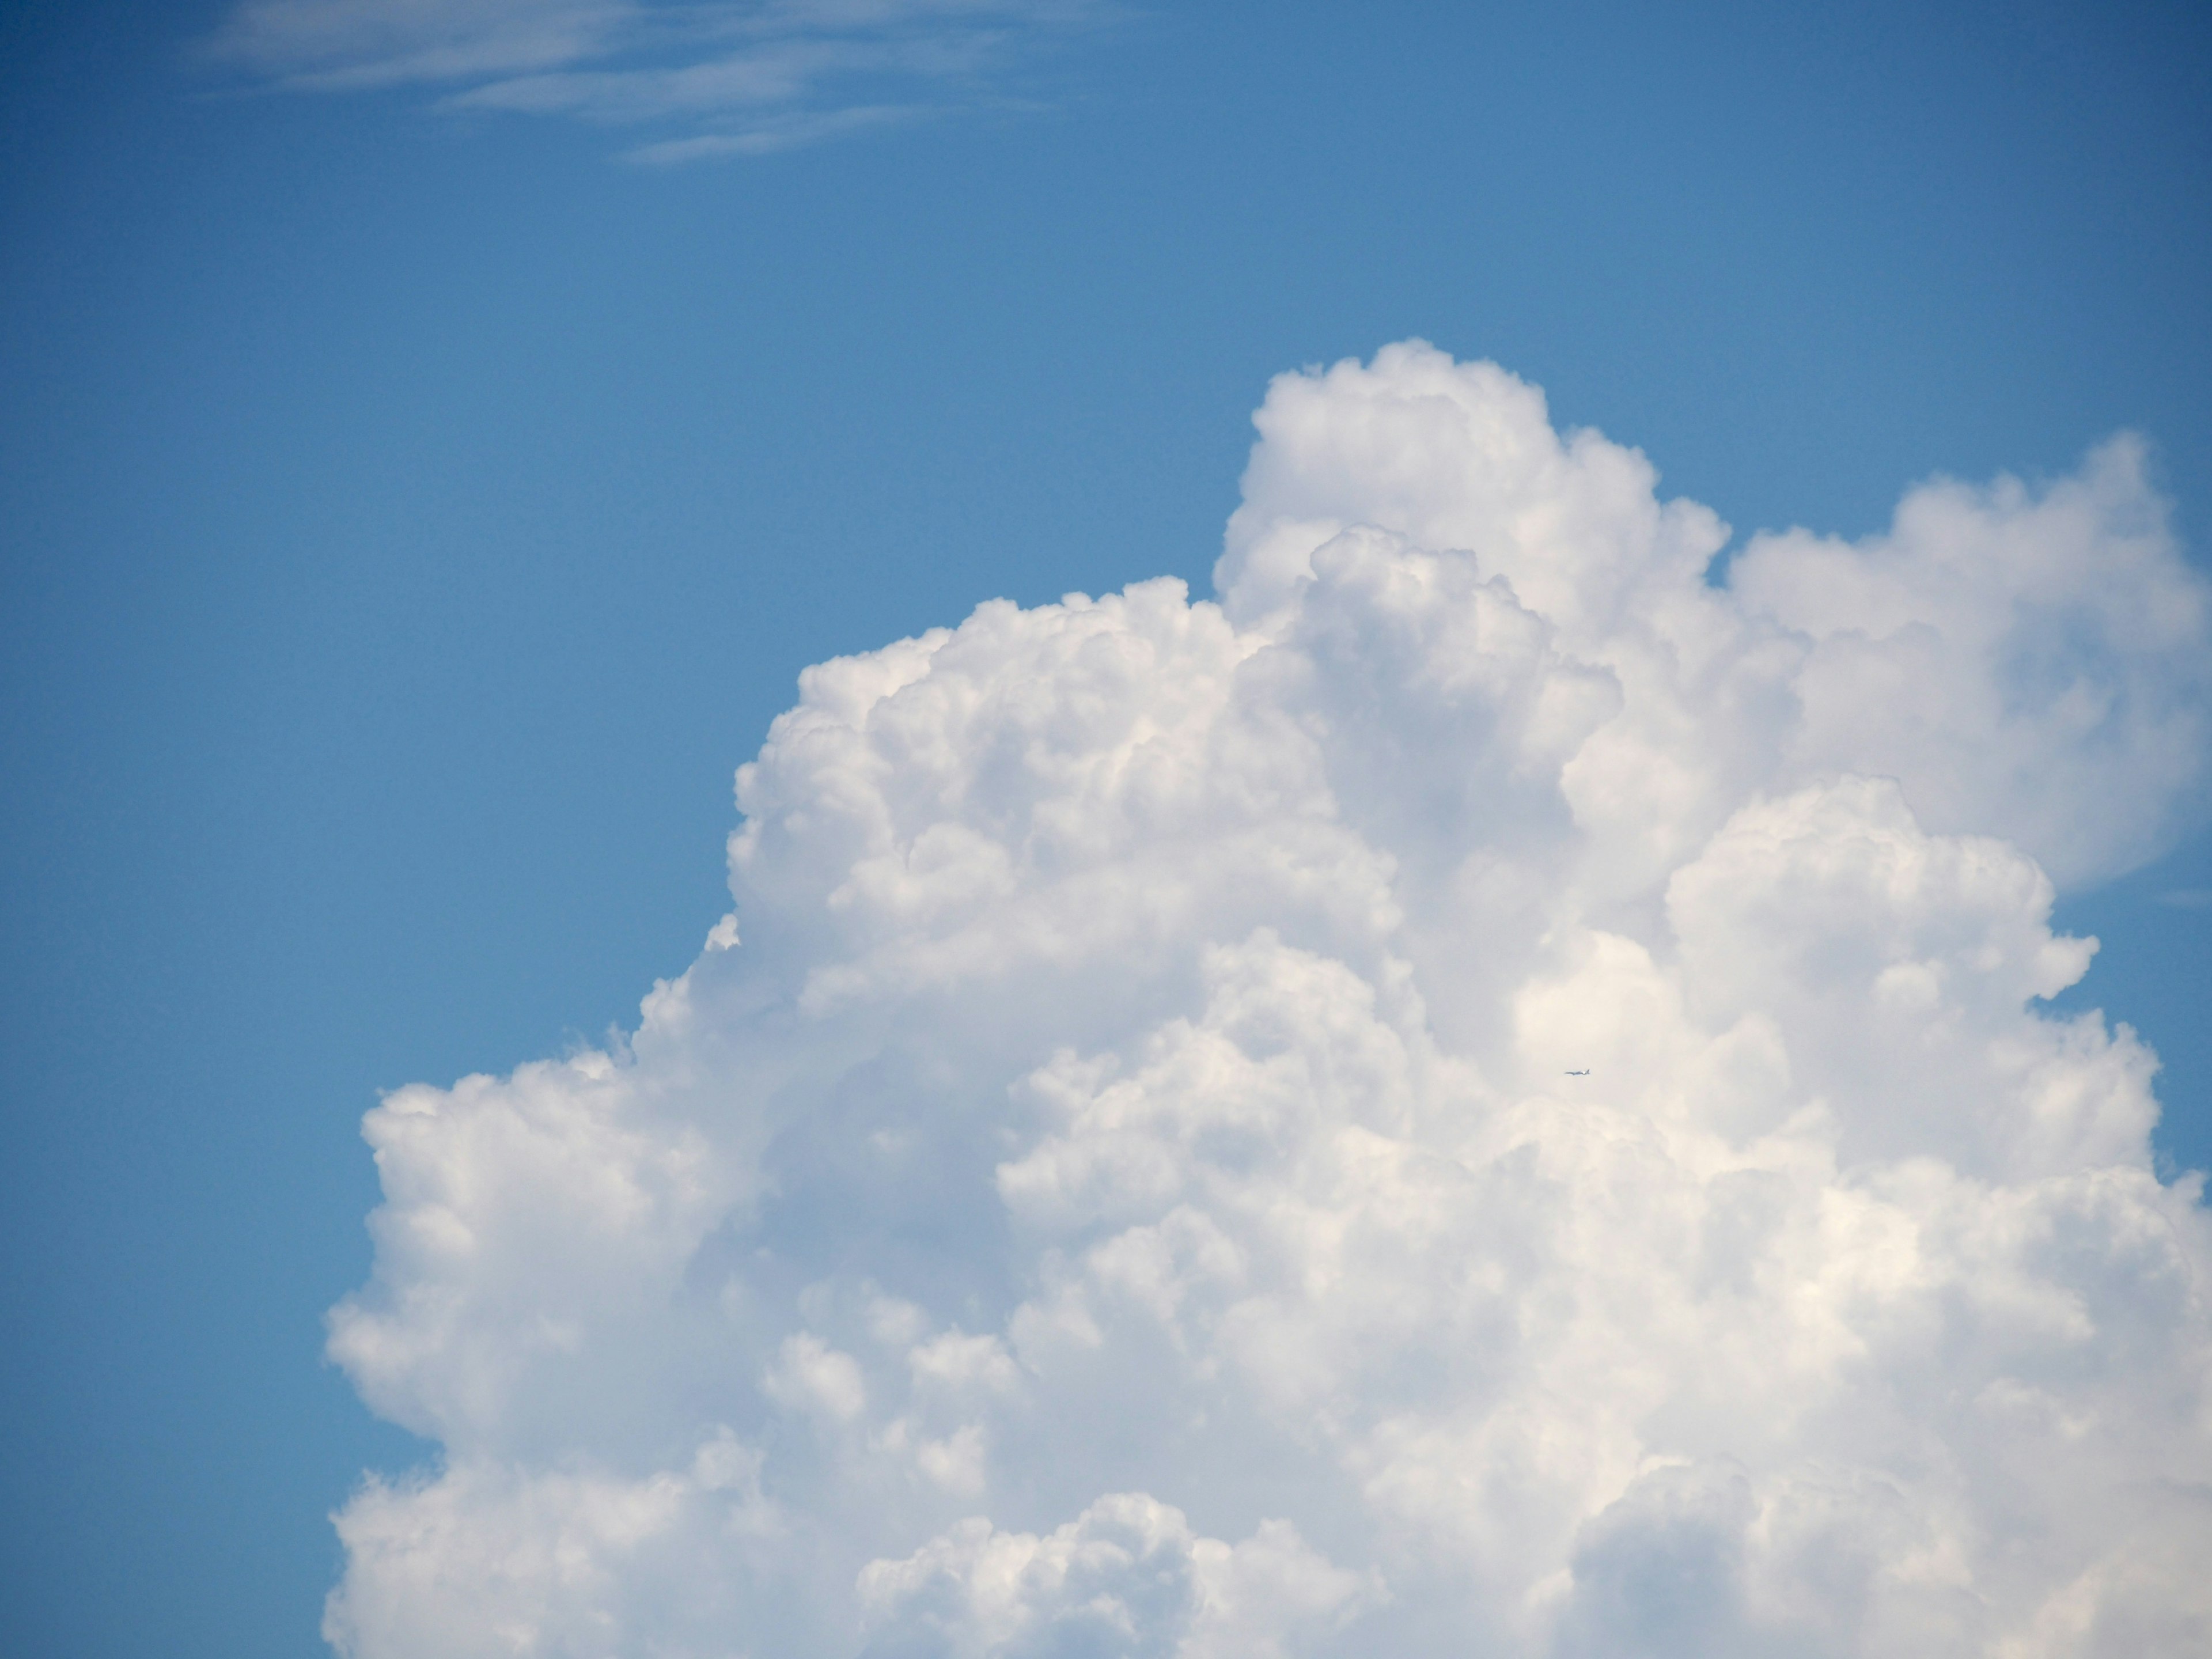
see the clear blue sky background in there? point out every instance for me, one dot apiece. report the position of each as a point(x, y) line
point(409, 521)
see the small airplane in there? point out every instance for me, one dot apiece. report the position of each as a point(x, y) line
point(1582, 1073)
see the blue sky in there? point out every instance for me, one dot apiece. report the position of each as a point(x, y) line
point(419, 494)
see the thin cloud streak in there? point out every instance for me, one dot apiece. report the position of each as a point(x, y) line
point(726, 79)
point(768, 139)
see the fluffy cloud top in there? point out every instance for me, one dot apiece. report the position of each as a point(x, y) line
point(1482, 1092)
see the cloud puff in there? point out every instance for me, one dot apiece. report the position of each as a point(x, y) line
point(715, 78)
point(1483, 1092)
point(1125, 1576)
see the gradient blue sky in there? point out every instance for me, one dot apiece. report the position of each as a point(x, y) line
point(413, 513)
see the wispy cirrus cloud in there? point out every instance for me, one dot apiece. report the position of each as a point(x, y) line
point(718, 77)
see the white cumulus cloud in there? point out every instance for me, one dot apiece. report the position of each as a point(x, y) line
point(1481, 1092)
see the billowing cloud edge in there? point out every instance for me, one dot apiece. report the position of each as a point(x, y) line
point(1478, 1089)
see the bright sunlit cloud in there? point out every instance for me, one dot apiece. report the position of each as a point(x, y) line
point(1479, 1092)
point(714, 78)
